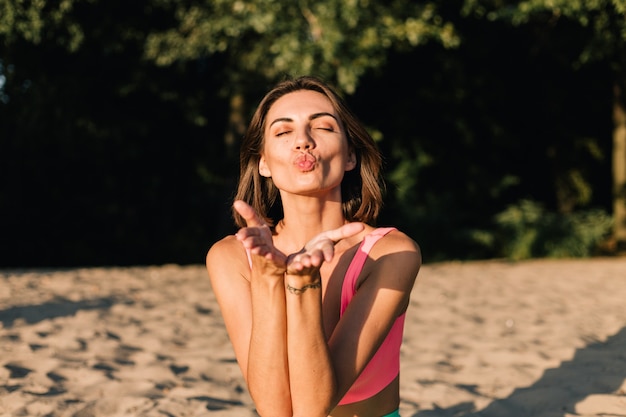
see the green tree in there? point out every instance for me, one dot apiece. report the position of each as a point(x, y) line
point(337, 39)
point(103, 154)
point(106, 137)
point(119, 122)
point(604, 22)
point(264, 40)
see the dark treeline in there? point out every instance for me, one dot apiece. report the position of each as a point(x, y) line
point(499, 145)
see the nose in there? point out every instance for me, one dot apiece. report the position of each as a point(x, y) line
point(304, 140)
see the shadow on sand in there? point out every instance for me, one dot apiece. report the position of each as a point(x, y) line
point(599, 368)
point(60, 307)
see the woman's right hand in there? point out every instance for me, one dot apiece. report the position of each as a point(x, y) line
point(257, 239)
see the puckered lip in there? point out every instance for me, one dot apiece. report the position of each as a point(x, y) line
point(305, 162)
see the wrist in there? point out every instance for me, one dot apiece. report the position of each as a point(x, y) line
point(271, 278)
point(298, 284)
point(299, 289)
point(302, 278)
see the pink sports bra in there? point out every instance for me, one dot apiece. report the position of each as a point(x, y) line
point(385, 364)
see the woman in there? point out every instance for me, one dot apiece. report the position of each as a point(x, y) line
point(312, 294)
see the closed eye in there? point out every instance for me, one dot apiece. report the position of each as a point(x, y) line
point(324, 121)
point(324, 125)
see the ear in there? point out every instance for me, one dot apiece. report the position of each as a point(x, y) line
point(351, 162)
point(264, 170)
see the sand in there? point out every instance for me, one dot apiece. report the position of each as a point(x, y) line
point(543, 338)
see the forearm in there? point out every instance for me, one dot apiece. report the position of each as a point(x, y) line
point(312, 379)
point(268, 369)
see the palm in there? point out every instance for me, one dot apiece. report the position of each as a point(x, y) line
point(257, 238)
point(319, 249)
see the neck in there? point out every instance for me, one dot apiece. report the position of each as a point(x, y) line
point(306, 217)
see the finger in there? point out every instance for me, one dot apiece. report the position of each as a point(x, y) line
point(246, 241)
point(317, 258)
point(345, 231)
point(328, 251)
point(248, 234)
point(294, 268)
point(260, 251)
point(248, 213)
point(312, 260)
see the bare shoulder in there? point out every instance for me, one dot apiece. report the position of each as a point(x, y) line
point(224, 248)
point(395, 257)
point(396, 241)
point(226, 257)
point(393, 263)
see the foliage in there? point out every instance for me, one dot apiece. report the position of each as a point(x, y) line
point(119, 121)
point(528, 230)
point(603, 26)
point(35, 21)
point(101, 152)
point(604, 18)
point(476, 128)
point(337, 39)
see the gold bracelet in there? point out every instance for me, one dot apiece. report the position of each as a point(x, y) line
point(298, 291)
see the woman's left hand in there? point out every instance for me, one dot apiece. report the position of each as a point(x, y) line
point(319, 249)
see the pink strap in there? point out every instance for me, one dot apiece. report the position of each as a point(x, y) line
point(385, 364)
point(356, 265)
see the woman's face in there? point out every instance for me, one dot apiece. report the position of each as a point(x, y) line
point(305, 147)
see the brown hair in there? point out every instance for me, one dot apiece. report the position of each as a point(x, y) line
point(361, 188)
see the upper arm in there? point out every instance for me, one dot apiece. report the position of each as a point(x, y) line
point(383, 293)
point(228, 271)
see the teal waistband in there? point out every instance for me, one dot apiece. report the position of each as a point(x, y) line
point(394, 414)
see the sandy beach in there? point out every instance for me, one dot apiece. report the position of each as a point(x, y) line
point(541, 338)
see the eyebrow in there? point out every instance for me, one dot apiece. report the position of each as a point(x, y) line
point(311, 117)
point(322, 114)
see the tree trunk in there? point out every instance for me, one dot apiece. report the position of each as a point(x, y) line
point(236, 121)
point(619, 167)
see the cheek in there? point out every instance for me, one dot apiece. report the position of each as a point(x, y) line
point(273, 161)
